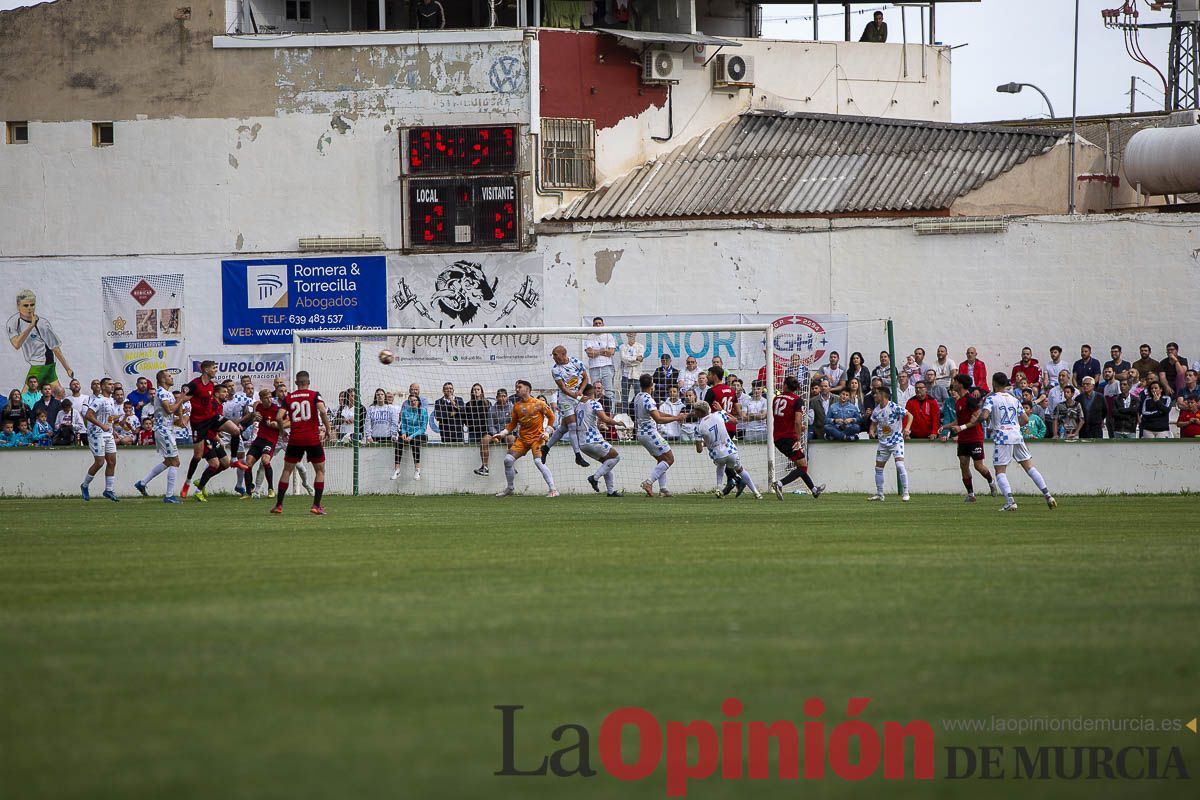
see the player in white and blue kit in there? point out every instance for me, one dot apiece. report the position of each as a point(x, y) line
point(713, 434)
point(590, 412)
point(165, 405)
point(890, 424)
point(570, 375)
point(1005, 416)
point(97, 414)
point(646, 419)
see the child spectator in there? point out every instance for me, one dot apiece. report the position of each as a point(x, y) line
point(1035, 428)
point(1067, 416)
point(673, 405)
point(24, 435)
point(7, 436)
point(1189, 418)
point(146, 432)
point(43, 433)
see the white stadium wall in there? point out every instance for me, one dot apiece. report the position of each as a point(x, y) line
point(1096, 279)
point(1069, 468)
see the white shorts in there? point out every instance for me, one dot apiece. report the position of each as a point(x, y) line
point(883, 451)
point(566, 405)
point(597, 450)
point(654, 443)
point(730, 460)
point(101, 443)
point(1004, 454)
point(165, 445)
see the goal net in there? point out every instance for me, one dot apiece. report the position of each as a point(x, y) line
point(423, 411)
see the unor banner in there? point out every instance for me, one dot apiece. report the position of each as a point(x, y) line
point(472, 290)
point(143, 325)
point(806, 338)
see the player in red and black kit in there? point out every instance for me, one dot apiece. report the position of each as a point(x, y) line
point(266, 414)
point(206, 417)
point(213, 451)
point(967, 402)
point(308, 422)
point(789, 413)
point(721, 397)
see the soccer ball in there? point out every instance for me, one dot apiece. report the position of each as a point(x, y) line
point(386, 356)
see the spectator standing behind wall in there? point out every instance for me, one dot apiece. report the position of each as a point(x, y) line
point(600, 348)
point(876, 30)
point(431, 15)
point(632, 355)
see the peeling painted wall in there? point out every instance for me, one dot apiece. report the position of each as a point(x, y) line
point(139, 59)
point(202, 185)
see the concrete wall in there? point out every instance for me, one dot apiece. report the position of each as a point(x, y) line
point(1069, 469)
point(1048, 280)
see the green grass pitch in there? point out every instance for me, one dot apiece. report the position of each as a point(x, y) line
point(214, 651)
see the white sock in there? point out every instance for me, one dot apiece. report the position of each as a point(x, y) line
point(1002, 479)
point(303, 473)
point(172, 474)
point(879, 480)
point(87, 479)
point(573, 430)
point(559, 430)
point(606, 468)
point(153, 473)
point(510, 473)
point(903, 470)
point(610, 483)
point(745, 475)
point(1039, 481)
point(662, 481)
point(110, 482)
point(720, 476)
point(542, 468)
point(659, 468)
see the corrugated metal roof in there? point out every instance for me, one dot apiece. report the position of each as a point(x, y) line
point(765, 162)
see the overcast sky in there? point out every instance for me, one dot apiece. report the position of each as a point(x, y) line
point(1028, 41)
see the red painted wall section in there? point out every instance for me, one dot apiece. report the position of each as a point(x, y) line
point(590, 76)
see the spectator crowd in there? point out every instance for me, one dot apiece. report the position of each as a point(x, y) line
point(1071, 400)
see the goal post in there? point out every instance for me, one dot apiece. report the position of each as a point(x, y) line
point(365, 377)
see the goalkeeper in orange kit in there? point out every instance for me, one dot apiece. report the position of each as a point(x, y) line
point(531, 419)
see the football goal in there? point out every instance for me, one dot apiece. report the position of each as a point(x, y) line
point(427, 411)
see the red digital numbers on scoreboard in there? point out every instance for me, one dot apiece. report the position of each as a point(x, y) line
point(496, 211)
point(470, 212)
point(453, 151)
point(431, 225)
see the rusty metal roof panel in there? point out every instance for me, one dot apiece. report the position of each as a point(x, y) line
point(779, 164)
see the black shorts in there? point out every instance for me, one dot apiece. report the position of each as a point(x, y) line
point(972, 449)
point(260, 447)
point(200, 429)
point(214, 449)
point(315, 453)
point(785, 446)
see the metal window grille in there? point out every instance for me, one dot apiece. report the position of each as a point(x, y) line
point(569, 153)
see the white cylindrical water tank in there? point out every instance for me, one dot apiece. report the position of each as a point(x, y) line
point(1164, 160)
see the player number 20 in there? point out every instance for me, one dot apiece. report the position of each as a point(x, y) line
point(301, 410)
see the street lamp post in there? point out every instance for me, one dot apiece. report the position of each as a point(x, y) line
point(1015, 88)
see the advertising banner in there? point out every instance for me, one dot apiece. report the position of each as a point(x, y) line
point(143, 325)
point(263, 301)
point(261, 367)
point(806, 339)
point(459, 290)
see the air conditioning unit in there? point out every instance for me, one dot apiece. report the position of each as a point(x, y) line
point(659, 66)
point(733, 71)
